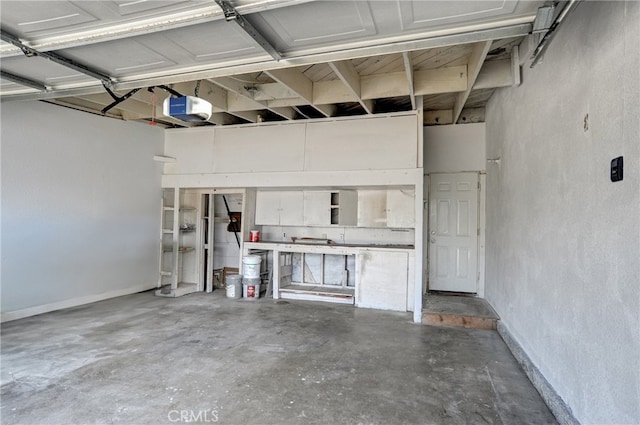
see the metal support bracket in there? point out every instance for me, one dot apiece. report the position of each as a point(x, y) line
point(107, 81)
point(117, 99)
point(232, 15)
point(23, 81)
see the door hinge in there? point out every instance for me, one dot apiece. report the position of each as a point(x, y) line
point(478, 277)
point(478, 231)
point(478, 185)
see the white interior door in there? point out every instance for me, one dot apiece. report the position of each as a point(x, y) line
point(453, 232)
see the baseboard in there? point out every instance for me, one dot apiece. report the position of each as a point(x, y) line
point(73, 302)
point(560, 410)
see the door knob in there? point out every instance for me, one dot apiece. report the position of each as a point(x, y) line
point(433, 232)
point(433, 240)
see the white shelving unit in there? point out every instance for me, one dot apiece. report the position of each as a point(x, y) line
point(178, 238)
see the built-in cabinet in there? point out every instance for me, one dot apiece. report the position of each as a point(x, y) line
point(367, 276)
point(394, 208)
point(325, 208)
point(279, 208)
point(386, 208)
point(382, 280)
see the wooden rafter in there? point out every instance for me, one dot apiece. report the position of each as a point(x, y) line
point(408, 67)
point(351, 79)
point(476, 60)
point(245, 97)
point(300, 84)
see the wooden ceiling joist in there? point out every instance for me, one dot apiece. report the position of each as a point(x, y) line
point(408, 67)
point(478, 55)
point(300, 84)
point(351, 79)
point(239, 98)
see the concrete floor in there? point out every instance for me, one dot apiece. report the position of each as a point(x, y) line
point(203, 358)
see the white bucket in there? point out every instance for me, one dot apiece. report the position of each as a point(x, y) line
point(234, 286)
point(251, 288)
point(251, 266)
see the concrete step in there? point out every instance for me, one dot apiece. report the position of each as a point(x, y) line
point(458, 311)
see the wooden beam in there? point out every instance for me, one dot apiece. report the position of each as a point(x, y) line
point(239, 95)
point(237, 102)
point(408, 68)
point(351, 79)
point(527, 47)
point(300, 84)
point(441, 117)
point(384, 85)
point(515, 66)
point(295, 81)
point(470, 115)
point(445, 116)
point(221, 118)
point(285, 112)
point(332, 91)
point(270, 91)
point(251, 116)
point(426, 82)
point(494, 74)
point(276, 103)
point(478, 55)
point(440, 80)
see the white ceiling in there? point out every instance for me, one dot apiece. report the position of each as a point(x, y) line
point(362, 56)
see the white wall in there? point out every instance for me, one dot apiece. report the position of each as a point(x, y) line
point(80, 207)
point(454, 148)
point(347, 144)
point(563, 241)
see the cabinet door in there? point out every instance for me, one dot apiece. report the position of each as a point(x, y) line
point(291, 208)
point(372, 205)
point(401, 208)
point(348, 207)
point(382, 280)
point(268, 208)
point(317, 208)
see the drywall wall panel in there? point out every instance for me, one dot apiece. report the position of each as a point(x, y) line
point(454, 148)
point(362, 144)
point(80, 207)
point(563, 241)
point(192, 149)
point(259, 149)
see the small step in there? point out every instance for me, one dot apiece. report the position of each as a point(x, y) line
point(458, 311)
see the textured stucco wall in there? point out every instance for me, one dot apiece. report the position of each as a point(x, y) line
point(80, 205)
point(563, 241)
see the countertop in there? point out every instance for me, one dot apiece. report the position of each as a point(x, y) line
point(317, 247)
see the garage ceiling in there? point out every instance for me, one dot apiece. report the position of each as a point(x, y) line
point(273, 60)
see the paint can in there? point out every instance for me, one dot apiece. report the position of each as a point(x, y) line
point(251, 288)
point(251, 265)
point(234, 286)
point(254, 236)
